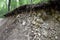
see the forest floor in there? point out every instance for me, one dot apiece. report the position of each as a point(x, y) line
point(31, 26)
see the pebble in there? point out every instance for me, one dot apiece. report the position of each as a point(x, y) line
point(39, 14)
point(23, 23)
point(18, 16)
point(59, 19)
point(33, 22)
point(35, 33)
point(56, 37)
point(40, 20)
point(39, 34)
point(44, 32)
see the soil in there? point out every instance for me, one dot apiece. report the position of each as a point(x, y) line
point(31, 26)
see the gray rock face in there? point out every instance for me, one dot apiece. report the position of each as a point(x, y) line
point(30, 26)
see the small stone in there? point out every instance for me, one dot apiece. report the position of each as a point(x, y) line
point(33, 22)
point(58, 19)
point(56, 37)
point(39, 14)
point(39, 34)
point(37, 24)
point(35, 33)
point(36, 29)
point(32, 31)
point(44, 32)
point(56, 16)
point(47, 24)
point(40, 20)
point(23, 23)
point(18, 16)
